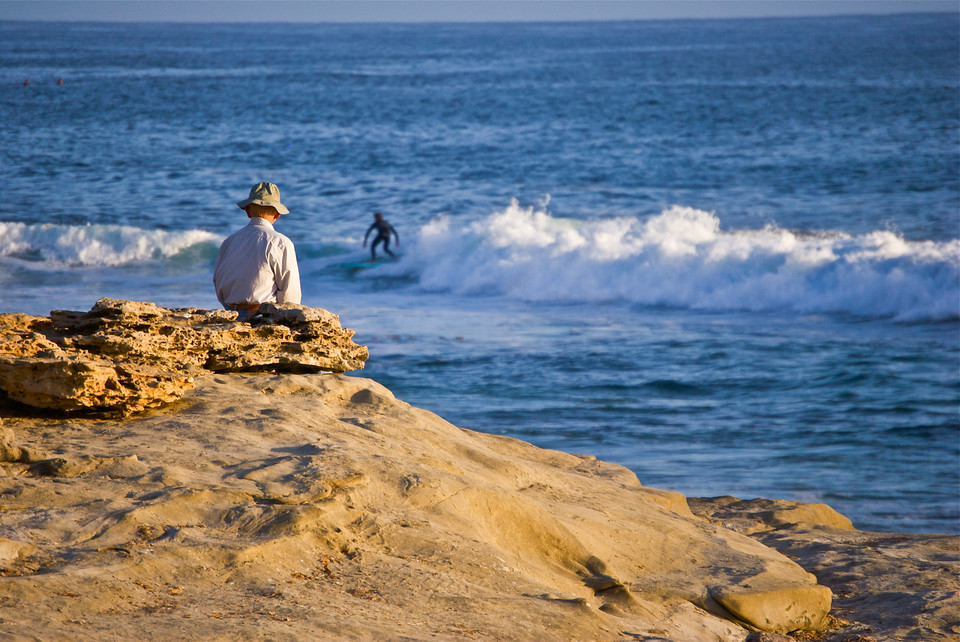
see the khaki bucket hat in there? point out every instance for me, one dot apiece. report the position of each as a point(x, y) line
point(266, 194)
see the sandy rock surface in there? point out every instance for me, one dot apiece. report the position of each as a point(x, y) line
point(320, 507)
point(284, 505)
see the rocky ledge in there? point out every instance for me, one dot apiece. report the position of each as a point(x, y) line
point(125, 356)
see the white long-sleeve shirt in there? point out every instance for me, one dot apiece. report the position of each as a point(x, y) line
point(257, 265)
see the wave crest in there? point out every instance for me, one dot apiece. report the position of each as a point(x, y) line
point(682, 258)
point(53, 246)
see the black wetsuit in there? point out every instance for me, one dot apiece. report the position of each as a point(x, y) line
point(383, 236)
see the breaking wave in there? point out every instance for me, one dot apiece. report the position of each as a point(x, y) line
point(69, 246)
point(682, 258)
point(679, 258)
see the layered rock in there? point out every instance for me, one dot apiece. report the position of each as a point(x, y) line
point(126, 356)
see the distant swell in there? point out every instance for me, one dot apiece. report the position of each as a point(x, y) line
point(682, 258)
point(54, 246)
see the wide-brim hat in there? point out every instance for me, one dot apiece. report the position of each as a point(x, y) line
point(266, 194)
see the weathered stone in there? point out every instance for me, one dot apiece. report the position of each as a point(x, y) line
point(765, 636)
point(64, 466)
point(11, 549)
point(121, 467)
point(90, 383)
point(757, 515)
point(127, 356)
point(781, 610)
point(8, 450)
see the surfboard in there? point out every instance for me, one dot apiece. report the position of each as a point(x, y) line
point(362, 265)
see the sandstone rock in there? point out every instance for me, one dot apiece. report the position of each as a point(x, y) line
point(64, 466)
point(8, 450)
point(764, 636)
point(113, 467)
point(353, 515)
point(751, 516)
point(126, 356)
point(90, 383)
point(121, 467)
point(791, 608)
point(895, 586)
point(12, 549)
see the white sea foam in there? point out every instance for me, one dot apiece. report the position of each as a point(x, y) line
point(683, 258)
point(57, 246)
point(680, 258)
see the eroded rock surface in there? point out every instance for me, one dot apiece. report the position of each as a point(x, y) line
point(127, 356)
point(313, 506)
point(886, 586)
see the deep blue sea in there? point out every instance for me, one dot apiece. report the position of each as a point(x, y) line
point(723, 253)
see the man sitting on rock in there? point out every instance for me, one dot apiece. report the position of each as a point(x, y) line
point(257, 264)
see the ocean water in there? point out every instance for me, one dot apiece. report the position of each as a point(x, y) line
point(723, 253)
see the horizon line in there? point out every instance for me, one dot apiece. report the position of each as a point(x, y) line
point(448, 21)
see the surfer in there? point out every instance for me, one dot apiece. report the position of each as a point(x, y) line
point(257, 264)
point(383, 236)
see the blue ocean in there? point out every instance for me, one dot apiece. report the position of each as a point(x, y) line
point(722, 253)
